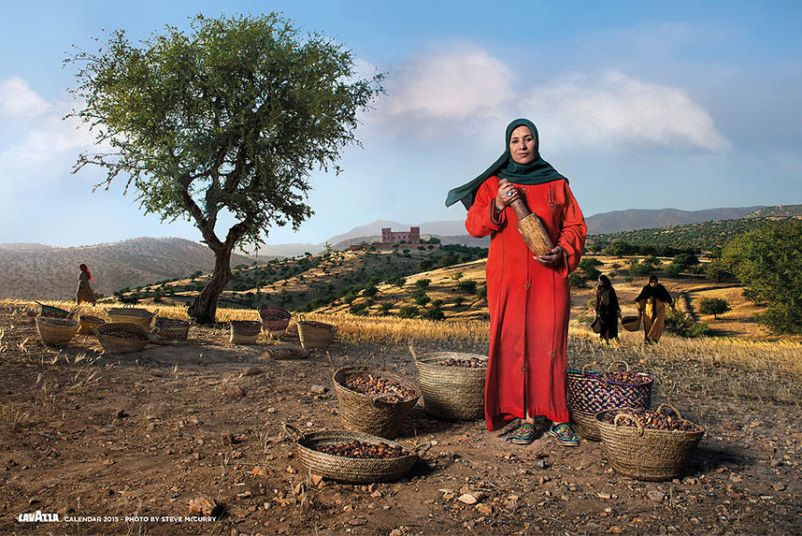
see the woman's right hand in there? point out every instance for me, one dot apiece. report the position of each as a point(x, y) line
point(507, 193)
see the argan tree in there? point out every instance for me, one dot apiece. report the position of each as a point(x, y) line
point(224, 122)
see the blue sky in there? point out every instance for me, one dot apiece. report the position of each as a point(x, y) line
point(640, 104)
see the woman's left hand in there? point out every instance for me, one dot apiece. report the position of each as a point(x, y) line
point(553, 256)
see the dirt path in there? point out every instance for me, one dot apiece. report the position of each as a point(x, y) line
point(143, 434)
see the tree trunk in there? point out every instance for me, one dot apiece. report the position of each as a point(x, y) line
point(204, 308)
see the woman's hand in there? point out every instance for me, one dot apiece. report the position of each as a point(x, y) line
point(553, 256)
point(507, 193)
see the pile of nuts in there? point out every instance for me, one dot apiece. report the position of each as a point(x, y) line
point(652, 420)
point(378, 386)
point(358, 449)
point(125, 334)
point(467, 363)
point(629, 378)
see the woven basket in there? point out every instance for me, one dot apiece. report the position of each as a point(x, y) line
point(245, 331)
point(596, 325)
point(120, 337)
point(315, 334)
point(171, 329)
point(131, 315)
point(53, 312)
point(647, 454)
point(631, 323)
point(353, 470)
point(590, 392)
point(88, 324)
point(361, 413)
point(56, 331)
point(452, 393)
point(274, 318)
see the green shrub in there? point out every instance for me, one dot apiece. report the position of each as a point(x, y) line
point(437, 303)
point(423, 283)
point(467, 285)
point(680, 323)
point(713, 306)
point(408, 311)
point(422, 299)
point(434, 314)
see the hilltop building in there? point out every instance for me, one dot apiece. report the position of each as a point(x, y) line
point(403, 239)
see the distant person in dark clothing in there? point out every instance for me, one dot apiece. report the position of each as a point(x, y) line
point(85, 293)
point(652, 302)
point(608, 310)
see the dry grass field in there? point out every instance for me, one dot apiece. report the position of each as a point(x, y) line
point(84, 433)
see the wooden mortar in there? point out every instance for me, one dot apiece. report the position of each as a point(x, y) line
point(532, 229)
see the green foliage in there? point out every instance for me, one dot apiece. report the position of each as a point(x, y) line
point(577, 280)
point(589, 262)
point(481, 292)
point(408, 311)
point(458, 300)
point(437, 303)
point(713, 306)
point(230, 117)
point(425, 265)
point(768, 260)
point(385, 307)
point(468, 285)
point(680, 323)
point(434, 314)
point(423, 283)
point(359, 309)
point(370, 291)
point(422, 298)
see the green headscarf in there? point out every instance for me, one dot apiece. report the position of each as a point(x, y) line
point(536, 172)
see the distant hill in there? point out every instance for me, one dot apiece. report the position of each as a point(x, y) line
point(708, 236)
point(34, 271)
point(633, 219)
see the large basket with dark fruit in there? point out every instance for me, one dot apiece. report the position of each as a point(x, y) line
point(590, 392)
point(648, 445)
point(351, 456)
point(452, 384)
point(374, 402)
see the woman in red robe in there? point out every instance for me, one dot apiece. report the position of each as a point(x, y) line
point(527, 296)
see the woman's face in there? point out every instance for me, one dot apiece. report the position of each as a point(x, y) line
point(522, 145)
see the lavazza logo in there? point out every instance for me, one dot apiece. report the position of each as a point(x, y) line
point(37, 517)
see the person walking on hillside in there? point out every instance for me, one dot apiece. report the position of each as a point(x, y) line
point(607, 310)
point(652, 302)
point(527, 296)
point(85, 293)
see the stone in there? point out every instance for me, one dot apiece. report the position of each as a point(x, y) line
point(604, 496)
point(656, 495)
point(468, 498)
point(202, 506)
point(318, 389)
point(484, 509)
point(778, 486)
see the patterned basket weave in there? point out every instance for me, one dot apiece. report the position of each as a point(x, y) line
point(119, 337)
point(590, 392)
point(353, 470)
point(647, 454)
point(245, 331)
point(361, 413)
point(131, 315)
point(56, 331)
point(88, 324)
point(449, 392)
point(274, 318)
point(315, 334)
point(171, 329)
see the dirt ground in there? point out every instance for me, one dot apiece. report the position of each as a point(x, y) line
point(87, 435)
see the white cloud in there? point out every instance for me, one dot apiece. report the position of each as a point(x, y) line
point(18, 99)
point(457, 83)
point(614, 110)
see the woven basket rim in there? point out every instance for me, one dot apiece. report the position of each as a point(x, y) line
point(362, 368)
point(432, 359)
point(91, 319)
point(57, 322)
point(344, 435)
point(649, 377)
point(171, 322)
point(316, 324)
point(280, 312)
point(666, 433)
point(246, 322)
point(135, 328)
point(130, 311)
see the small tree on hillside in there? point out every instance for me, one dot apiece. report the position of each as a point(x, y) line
point(713, 306)
point(227, 119)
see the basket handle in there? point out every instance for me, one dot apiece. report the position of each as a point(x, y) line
point(292, 432)
point(672, 407)
point(631, 416)
point(614, 363)
point(584, 369)
point(411, 346)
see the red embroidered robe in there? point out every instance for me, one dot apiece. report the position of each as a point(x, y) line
point(529, 303)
